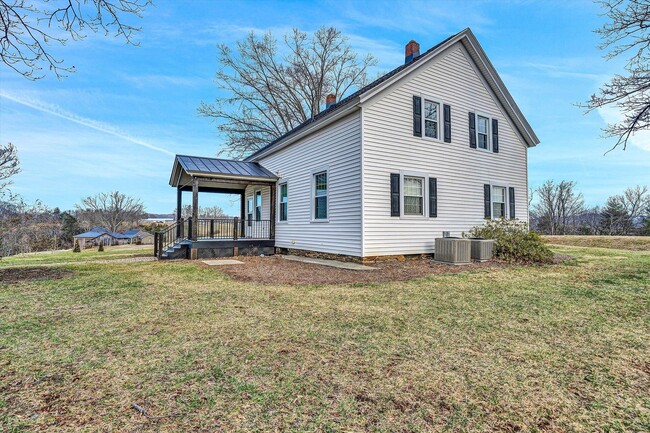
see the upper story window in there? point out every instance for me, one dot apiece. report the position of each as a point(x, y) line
point(431, 119)
point(320, 195)
point(498, 202)
point(284, 201)
point(258, 205)
point(483, 132)
point(413, 195)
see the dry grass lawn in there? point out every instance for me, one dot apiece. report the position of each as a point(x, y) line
point(89, 255)
point(632, 243)
point(557, 348)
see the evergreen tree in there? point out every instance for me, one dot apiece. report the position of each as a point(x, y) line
point(76, 247)
point(69, 227)
point(614, 219)
point(101, 247)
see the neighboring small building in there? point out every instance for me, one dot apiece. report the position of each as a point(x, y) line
point(139, 237)
point(100, 236)
point(94, 238)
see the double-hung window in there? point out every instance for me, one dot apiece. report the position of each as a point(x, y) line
point(483, 132)
point(320, 196)
point(498, 202)
point(413, 195)
point(431, 119)
point(284, 202)
point(249, 214)
point(258, 205)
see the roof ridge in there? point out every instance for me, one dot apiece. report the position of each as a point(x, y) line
point(219, 159)
point(348, 98)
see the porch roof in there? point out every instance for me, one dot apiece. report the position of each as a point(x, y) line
point(197, 166)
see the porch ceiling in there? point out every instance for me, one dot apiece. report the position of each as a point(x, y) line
point(218, 173)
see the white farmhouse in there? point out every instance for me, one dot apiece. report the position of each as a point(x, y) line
point(435, 146)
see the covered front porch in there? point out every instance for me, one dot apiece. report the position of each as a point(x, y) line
point(252, 232)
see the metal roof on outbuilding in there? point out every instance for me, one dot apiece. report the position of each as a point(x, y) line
point(90, 235)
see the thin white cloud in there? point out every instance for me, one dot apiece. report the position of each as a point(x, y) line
point(84, 121)
point(417, 17)
point(611, 115)
point(560, 70)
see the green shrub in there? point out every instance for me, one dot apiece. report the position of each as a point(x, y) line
point(101, 247)
point(76, 247)
point(514, 242)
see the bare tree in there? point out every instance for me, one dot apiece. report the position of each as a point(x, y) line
point(590, 221)
point(28, 27)
point(633, 203)
point(558, 207)
point(9, 164)
point(111, 211)
point(273, 90)
point(635, 200)
point(204, 212)
point(626, 32)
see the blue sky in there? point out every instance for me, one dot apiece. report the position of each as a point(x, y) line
point(116, 123)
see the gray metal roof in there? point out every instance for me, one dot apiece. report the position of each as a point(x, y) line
point(216, 166)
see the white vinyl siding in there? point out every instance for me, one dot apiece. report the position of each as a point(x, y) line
point(390, 147)
point(335, 149)
point(253, 227)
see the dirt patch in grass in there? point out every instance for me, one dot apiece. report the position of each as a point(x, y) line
point(18, 275)
point(277, 270)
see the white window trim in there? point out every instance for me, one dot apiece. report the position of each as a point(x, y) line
point(441, 127)
point(489, 131)
point(312, 195)
point(505, 185)
point(279, 204)
point(425, 191)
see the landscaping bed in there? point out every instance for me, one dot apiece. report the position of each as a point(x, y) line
point(278, 270)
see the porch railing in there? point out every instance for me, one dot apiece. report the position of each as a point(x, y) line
point(166, 237)
point(211, 228)
point(233, 228)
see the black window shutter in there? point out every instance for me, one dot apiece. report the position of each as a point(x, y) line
point(433, 197)
point(487, 201)
point(446, 109)
point(472, 130)
point(417, 116)
point(495, 136)
point(511, 196)
point(394, 195)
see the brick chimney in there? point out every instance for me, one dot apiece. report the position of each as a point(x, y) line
point(412, 50)
point(330, 100)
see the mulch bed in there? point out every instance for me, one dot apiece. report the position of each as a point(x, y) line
point(277, 270)
point(19, 275)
